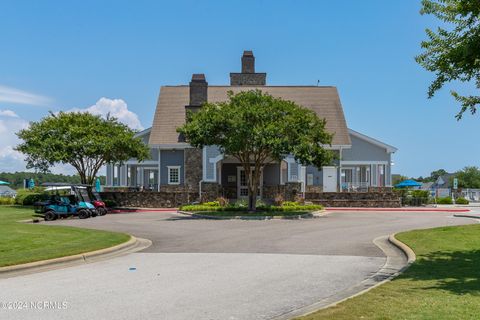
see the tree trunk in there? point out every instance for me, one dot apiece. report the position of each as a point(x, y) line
point(252, 192)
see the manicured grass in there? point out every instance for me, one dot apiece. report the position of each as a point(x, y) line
point(444, 282)
point(252, 214)
point(22, 242)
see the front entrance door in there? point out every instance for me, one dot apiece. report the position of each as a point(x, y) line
point(242, 187)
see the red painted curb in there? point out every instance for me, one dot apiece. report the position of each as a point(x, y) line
point(399, 209)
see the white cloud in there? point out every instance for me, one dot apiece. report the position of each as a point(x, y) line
point(116, 108)
point(11, 160)
point(8, 113)
point(13, 95)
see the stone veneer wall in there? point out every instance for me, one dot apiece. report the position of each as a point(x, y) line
point(163, 199)
point(193, 168)
point(355, 199)
point(210, 191)
point(175, 196)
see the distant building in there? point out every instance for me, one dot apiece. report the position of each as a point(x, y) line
point(6, 191)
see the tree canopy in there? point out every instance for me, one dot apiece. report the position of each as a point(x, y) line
point(453, 54)
point(256, 128)
point(85, 141)
point(469, 177)
point(16, 178)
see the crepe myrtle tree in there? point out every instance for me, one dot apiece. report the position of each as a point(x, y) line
point(256, 128)
point(83, 140)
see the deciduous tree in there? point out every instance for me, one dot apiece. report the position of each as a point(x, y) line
point(85, 141)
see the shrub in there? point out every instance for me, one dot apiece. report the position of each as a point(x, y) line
point(222, 201)
point(290, 203)
point(110, 203)
point(27, 197)
point(261, 204)
point(461, 201)
point(278, 200)
point(299, 199)
point(211, 204)
point(235, 207)
point(241, 203)
point(5, 201)
point(446, 200)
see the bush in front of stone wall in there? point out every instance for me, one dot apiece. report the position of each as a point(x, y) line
point(445, 200)
point(222, 201)
point(290, 206)
point(27, 197)
point(110, 203)
point(461, 201)
point(278, 200)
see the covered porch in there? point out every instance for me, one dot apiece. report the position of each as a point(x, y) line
point(360, 176)
point(134, 176)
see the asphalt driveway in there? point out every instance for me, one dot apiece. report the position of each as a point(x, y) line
point(204, 269)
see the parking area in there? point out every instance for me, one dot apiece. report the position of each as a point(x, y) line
point(209, 269)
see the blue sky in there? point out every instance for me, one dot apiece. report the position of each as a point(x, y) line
point(114, 55)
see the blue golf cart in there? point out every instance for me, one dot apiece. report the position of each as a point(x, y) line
point(64, 200)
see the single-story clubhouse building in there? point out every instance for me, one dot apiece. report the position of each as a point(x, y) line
point(363, 162)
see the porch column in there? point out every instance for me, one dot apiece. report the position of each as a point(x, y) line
point(141, 178)
point(109, 178)
point(159, 176)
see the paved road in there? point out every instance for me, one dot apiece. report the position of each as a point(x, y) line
point(203, 269)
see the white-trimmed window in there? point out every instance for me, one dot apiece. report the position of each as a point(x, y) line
point(173, 174)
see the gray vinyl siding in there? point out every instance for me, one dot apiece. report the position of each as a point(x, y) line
point(271, 174)
point(317, 175)
point(363, 151)
point(145, 138)
point(171, 158)
point(153, 154)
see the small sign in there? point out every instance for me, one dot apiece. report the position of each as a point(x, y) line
point(455, 183)
point(232, 178)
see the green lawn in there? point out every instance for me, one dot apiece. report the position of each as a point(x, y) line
point(22, 242)
point(444, 282)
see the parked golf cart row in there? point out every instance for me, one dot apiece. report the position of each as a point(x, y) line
point(66, 200)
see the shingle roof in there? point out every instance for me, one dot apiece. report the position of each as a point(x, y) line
point(325, 101)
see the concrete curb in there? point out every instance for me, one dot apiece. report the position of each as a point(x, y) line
point(411, 257)
point(310, 215)
point(394, 265)
point(91, 256)
point(471, 216)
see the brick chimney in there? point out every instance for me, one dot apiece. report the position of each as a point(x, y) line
point(248, 77)
point(248, 62)
point(198, 90)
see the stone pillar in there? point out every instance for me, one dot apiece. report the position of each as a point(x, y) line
point(292, 189)
point(193, 168)
point(210, 191)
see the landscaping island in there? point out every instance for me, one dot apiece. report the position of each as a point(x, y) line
point(25, 242)
point(223, 209)
point(443, 283)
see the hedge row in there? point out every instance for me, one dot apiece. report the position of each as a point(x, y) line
point(297, 207)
